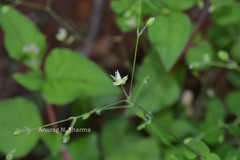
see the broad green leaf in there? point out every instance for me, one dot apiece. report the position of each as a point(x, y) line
point(18, 113)
point(32, 80)
point(202, 53)
point(176, 5)
point(220, 36)
point(234, 78)
point(223, 149)
point(121, 6)
point(232, 101)
point(212, 156)
point(85, 147)
point(169, 35)
point(23, 41)
point(227, 13)
point(198, 146)
point(215, 110)
point(231, 158)
point(212, 132)
point(69, 76)
point(117, 133)
point(146, 148)
point(53, 141)
point(160, 90)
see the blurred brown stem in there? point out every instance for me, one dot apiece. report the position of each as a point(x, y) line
point(52, 119)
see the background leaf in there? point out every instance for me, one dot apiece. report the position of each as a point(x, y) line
point(32, 80)
point(232, 101)
point(69, 76)
point(198, 146)
point(175, 5)
point(161, 89)
point(18, 113)
point(169, 35)
point(20, 32)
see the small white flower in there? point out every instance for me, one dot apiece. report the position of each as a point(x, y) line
point(62, 34)
point(118, 79)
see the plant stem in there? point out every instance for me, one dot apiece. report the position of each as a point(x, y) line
point(225, 65)
point(124, 91)
point(164, 128)
point(136, 47)
point(90, 112)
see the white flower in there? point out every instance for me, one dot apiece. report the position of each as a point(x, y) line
point(62, 34)
point(118, 79)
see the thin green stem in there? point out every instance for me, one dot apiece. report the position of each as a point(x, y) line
point(80, 116)
point(164, 128)
point(136, 47)
point(124, 91)
point(140, 87)
point(225, 65)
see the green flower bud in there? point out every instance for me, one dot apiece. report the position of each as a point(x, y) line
point(194, 65)
point(140, 127)
point(150, 21)
point(17, 132)
point(140, 115)
point(85, 116)
point(223, 55)
point(66, 136)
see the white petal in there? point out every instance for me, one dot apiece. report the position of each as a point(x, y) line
point(116, 83)
point(117, 75)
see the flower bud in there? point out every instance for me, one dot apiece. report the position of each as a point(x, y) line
point(85, 116)
point(223, 55)
point(150, 21)
point(17, 132)
point(66, 136)
point(194, 65)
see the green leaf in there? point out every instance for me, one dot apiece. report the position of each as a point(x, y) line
point(221, 36)
point(232, 101)
point(161, 89)
point(231, 158)
point(146, 148)
point(18, 113)
point(32, 80)
point(53, 141)
point(227, 13)
point(234, 78)
point(85, 147)
point(198, 146)
point(215, 110)
point(69, 76)
point(169, 35)
point(212, 156)
point(183, 5)
point(212, 133)
point(121, 6)
point(20, 33)
point(117, 133)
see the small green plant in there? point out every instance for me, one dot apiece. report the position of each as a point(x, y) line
point(176, 128)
